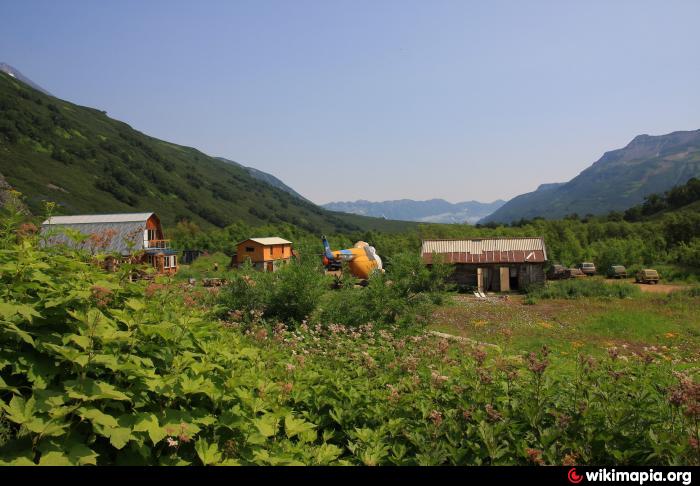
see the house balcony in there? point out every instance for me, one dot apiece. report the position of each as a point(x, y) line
point(157, 244)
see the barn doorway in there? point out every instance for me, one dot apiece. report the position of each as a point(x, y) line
point(513, 278)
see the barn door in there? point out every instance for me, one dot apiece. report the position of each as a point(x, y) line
point(505, 279)
point(480, 279)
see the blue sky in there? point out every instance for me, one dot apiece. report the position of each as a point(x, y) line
point(377, 99)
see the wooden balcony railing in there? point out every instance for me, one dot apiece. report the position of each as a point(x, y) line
point(158, 244)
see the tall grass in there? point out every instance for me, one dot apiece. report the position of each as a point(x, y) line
point(692, 291)
point(582, 288)
point(206, 267)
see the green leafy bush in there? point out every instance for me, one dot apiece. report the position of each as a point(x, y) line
point(290, 294)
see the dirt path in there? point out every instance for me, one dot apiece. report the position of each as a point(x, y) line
point(659, 288)
point(651, 288)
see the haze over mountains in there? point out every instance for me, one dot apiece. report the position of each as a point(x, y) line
point(619, 180)
point(432, 211)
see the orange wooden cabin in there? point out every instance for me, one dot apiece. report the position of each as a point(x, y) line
point(123, 236)
point(266, 254)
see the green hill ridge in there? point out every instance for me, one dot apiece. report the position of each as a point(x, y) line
point(86, 162)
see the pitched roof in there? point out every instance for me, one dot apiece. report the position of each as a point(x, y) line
point(99, 218)
point(272, 240)
point(120, 233)
point(486, 250)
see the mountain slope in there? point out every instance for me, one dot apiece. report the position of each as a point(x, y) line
point(86, 162)
point(265, 177)
point(6, 68)
point(433, 210)
point(618, 180)
point(679, 199)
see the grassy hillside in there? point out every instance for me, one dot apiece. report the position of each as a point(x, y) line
point(618, 180)
point(683, 199)
point(85, 161)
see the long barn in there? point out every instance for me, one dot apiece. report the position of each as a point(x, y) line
point(122, 234)
point(491, 264)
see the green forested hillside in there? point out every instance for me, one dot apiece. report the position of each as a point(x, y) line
point(683, 199)
point(618, 180)
point(85, 161)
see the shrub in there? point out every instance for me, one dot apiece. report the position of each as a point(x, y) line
point(294, 290)
point(290, 294)
point(245, 294)
point(689, 253)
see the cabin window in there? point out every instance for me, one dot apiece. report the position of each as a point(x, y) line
point(170, 261)
point(249, 249)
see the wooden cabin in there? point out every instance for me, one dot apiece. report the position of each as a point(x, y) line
point(122, 236)
point(266, 254)
point(491, 264)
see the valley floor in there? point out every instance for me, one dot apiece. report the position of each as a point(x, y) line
point(667, 324)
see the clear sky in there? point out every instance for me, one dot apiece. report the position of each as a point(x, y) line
point(376, 99)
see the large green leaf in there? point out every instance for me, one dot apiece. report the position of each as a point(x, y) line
point(149, 423)
point(89, 390)
point(119, 436)
point(47, 427)
point(97, 416)
point(82, 455)
point(55, 458)
point(18, 410)
point(207, 453)
point(8, 310)
point(266, 425)
point(295, 426)
point(11, 328)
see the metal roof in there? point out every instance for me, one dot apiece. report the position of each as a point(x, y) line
point(487, 250)
point(99, 218)
point(115, 233)
point(272, 240)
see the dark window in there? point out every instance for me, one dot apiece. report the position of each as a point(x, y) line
point(249, 248)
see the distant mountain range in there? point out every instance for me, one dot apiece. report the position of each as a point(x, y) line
point(6, 68)
point(431, 211)
point(619, 180)
point(265, 177)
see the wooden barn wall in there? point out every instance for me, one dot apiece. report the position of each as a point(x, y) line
point(527, 273)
